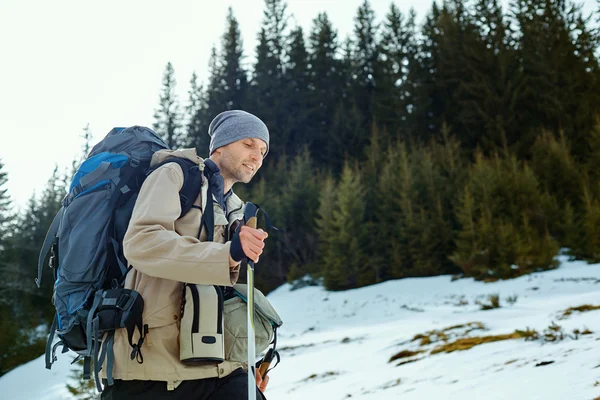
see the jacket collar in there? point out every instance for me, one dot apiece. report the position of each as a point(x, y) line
point(216, 183)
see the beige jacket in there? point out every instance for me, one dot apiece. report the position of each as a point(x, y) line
point(165, 252)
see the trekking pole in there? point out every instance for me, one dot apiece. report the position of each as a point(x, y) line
point(250, 219)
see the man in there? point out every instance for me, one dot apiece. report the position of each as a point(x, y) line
point(165, 251)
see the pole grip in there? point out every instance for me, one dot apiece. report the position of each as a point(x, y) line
point(264, 366)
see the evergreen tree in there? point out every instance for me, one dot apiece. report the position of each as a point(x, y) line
point(555, 50)
point(326, 228)
point(7, 268)
point(326, 84)
point(81, 389)
point(347, 265)
point(234, 78)
point(196, 113)
point(85, 150)
point(591, 228)
point(5, 206)
point(168, 117)
point(393, 91)
point(267, 90)
point(505, 207)
point(20, 300)
point(427, 108)
point(206, 103)
point(296, 119)
point(226, 89)
point(557, 171)
point(487, 106)
point(346, 136)
point(365, 63)
point(297, 211)
point(375, 222)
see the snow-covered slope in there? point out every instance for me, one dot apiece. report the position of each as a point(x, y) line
point(337, 345)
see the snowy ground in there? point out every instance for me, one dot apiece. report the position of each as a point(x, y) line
point(337, 345)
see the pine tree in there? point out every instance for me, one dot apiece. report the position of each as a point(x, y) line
point(296, 129)
point(347, 133)
point(508, 217)
point(268, 82)
point(19, 298)
point(350, 266)
point(555, 50)
point(196, 117)
point(234, 78)
point(85, 150)
point(81, 389)
point(325, 224)
point(7, 269)
point(427, 112)
point(5, 206)
point(393, 91)
point(168, 117)
point(557, 171)
point(326, 84)
point(297, 211)
point(486, 98)
point(365, 63)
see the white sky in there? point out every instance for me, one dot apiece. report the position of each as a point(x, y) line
point(67, 63)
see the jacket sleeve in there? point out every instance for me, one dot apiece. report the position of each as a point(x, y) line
point(153, 247)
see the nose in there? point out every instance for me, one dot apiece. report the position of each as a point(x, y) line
point(256, 155)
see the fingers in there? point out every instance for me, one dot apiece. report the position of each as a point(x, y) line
point(262, 383)
point(252, 241)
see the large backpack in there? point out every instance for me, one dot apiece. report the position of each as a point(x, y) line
point(85, 245)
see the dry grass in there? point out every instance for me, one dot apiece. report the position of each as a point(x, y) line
point(467, 343)
point(583, 308)
point(444, 334)
point(412, 360)
point(321, 376)
point(528, 334)
point(404, 354)
point(493, 302)
point(586, 331)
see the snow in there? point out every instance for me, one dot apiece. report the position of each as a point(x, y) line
point(337, 345)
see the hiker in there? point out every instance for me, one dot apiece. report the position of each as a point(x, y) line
point(200, 251)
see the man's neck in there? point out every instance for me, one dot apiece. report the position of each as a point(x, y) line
point(227, 182)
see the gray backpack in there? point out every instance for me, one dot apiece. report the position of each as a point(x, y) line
point(85, 246)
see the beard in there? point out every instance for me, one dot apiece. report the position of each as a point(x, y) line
point(234, 170)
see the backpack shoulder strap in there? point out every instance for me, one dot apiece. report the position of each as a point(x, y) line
point(192, 181)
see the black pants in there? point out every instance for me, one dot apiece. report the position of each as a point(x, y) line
point(232, 387)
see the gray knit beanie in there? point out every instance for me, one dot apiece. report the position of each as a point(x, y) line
point(231, 126)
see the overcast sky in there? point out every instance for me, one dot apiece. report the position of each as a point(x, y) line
point(67, 63)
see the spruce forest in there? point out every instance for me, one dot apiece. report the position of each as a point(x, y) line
point(465, 141)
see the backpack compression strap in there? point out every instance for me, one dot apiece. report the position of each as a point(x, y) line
point(48, 241)
point(113, 309)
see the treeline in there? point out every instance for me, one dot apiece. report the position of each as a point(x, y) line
point(466, 144)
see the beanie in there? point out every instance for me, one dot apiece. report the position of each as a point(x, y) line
point(231, 126)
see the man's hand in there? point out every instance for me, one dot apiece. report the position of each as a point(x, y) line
point(262, 383)
point(248, 242)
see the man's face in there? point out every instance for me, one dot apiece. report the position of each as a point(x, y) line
point(240, 160)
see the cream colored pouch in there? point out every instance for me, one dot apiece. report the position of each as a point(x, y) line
point(201, 338)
